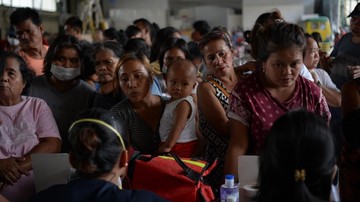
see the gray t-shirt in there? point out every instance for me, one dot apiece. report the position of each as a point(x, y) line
point(64, 105)
point(346, 53)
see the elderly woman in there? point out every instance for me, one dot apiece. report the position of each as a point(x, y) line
point(98, 151)
point(27, 127)
point(141, 111)
point(61, 86)
point(320, 76)
point(213, 98)
point(267, 94)
point(107, 56)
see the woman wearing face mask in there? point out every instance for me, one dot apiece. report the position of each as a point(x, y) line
point(98, 151)
point(61, 86)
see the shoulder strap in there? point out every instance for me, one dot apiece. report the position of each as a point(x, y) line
point(223, 90)
point(190, 173)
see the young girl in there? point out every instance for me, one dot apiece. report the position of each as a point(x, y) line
point(177, 125)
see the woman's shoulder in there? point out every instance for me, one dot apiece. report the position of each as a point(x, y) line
point(248, 84)
point(33, 100)
point(308, 86)
point(121, 106)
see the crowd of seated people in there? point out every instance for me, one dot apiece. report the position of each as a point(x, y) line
point(141, 89)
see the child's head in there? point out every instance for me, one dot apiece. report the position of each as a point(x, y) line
point(181, 78)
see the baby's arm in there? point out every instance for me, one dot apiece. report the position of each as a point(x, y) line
point(181, 114)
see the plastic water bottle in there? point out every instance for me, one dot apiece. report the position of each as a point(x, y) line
point(229, 192)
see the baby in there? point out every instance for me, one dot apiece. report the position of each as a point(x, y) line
point(177, 125)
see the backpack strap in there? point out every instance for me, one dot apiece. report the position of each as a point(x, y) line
point(190, 173)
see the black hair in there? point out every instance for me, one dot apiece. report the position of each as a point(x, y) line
point(137, 45)
point(112, 34)
point(194, 50)
point(114, 46)
point(61, 41)
point(216, 34)
point(201, 26)
point(299, 141)
point(279, 35)
point(75, 22)
point(22, 14)
point(26, 73)
point(160, 36)
point(170, 43)
point(131, 31)
point(148, 26)
point(264, 20)
point(88, 61)
point(94, 146)
point(317, 36)
point(122, 37)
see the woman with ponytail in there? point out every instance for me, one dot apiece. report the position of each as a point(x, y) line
point(298, 160)
point(98, 152)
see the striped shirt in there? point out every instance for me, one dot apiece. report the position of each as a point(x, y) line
point(142, 137)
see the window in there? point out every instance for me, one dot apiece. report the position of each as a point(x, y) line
point(45, 5)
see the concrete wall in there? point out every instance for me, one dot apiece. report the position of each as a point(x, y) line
point(291, 13)
point(292, 10)
point(122, 13)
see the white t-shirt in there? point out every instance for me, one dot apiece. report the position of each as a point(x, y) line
point(325, 79)
point(304, 72)
point(167, 121)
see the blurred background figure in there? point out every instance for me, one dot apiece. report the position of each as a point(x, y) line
point(133, 32)
point(11, 43)
point(29, 31)
point(147, 30)
point(200, 28)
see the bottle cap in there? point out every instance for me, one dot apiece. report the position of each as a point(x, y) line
point(229, 177)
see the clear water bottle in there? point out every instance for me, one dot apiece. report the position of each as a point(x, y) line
point(229, 192)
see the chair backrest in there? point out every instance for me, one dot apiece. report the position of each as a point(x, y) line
point(50, 169)
point(248, 169)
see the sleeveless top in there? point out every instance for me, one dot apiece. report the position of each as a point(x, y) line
point(216, 144)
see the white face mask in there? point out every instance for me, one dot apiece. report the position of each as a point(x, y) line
point(13, 41)
point(65, 74)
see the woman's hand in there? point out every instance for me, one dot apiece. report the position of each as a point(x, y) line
point(11, 170)
point(353, 72)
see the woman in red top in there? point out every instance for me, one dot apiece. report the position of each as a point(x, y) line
point(274, 89)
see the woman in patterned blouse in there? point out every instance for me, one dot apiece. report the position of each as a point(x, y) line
point(257, 102)
point(213, 98)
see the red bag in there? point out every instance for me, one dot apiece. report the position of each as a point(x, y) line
point(171, 177)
